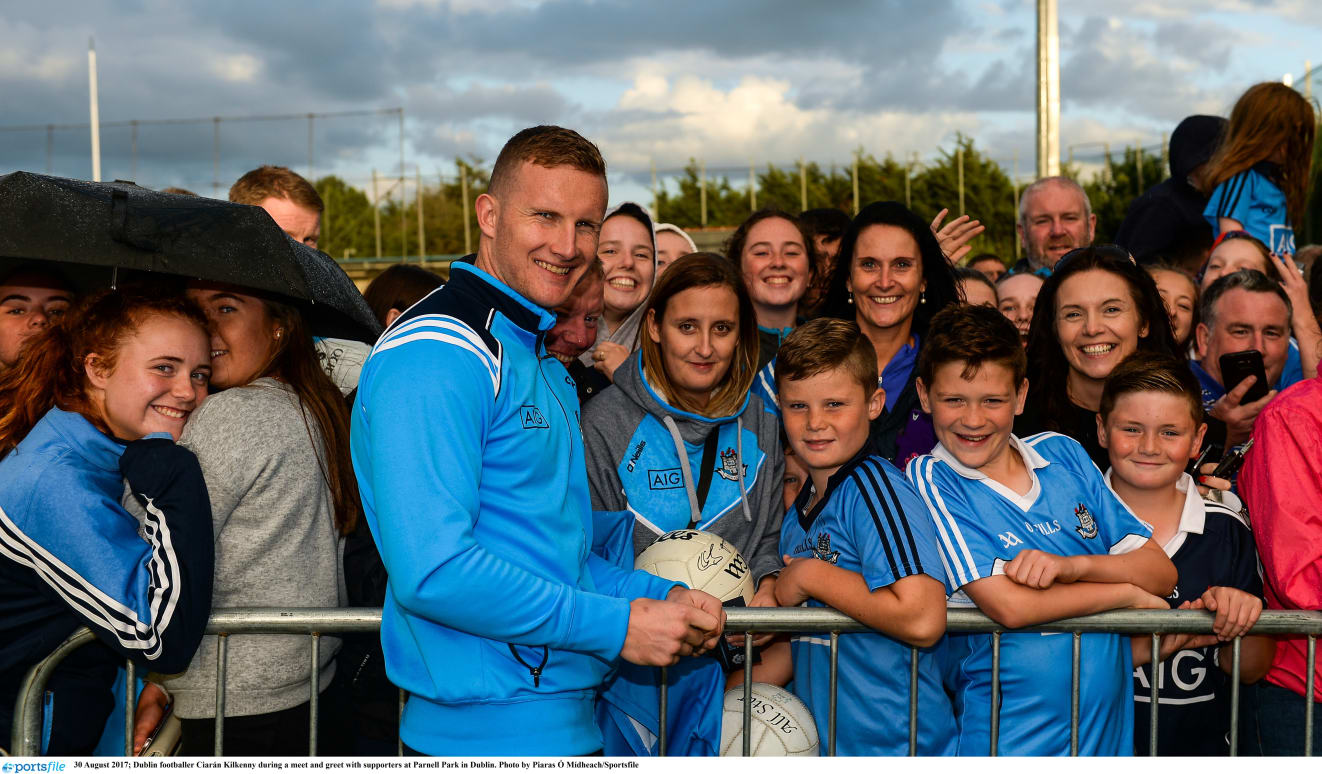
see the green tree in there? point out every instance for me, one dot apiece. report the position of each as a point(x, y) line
point(989, 196)
point(726, 205)
point(1111, 191)
point(346, 223)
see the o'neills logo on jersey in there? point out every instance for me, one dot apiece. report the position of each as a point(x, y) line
point(1087, 528)
point(637, 453)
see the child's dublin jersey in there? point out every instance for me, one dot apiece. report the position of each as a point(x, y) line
point(869, 521)
point(981, 525)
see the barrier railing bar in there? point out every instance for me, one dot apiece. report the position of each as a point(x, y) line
point(748, 694)
point(835, 667)
point(399, 740)
point(130, 704)
point(1075, 649)
point(28, 707)
point(1234, 697)
point(1153, 695)
point(913, 701)
point(26, 739)
point(222, 646)
point(995, 692)
point(1308, 695)
point(663, 743)
point(314, 707)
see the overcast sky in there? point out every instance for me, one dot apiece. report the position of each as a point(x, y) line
point(651, 82)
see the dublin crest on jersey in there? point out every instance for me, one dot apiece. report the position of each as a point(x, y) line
point(823, 549)
point(729, 469)
point(1087, 528)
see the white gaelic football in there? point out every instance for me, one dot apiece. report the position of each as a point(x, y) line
point(782, 725)
point(700, 560)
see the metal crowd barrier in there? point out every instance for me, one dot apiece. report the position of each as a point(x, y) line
point(318, 622)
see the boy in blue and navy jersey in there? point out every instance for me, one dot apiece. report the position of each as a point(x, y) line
point(1029, 533)
point(856, 539)
point(1151, 424)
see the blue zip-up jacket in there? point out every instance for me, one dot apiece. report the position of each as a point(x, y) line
point(498, 621)
point(71, 555)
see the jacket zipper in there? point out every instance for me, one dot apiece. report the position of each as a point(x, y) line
point(535, 671)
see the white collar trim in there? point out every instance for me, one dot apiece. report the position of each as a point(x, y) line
point(1031, 459)
point(1193, 516)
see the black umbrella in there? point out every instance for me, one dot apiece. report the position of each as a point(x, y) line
point(95, 230)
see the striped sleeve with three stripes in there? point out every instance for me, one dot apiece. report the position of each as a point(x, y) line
point(885, 511)
point(1229, 194)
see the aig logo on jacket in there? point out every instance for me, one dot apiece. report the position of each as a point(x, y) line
point(531, 416)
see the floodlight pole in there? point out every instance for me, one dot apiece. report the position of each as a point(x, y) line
point(94, 110)
point(1048, 89)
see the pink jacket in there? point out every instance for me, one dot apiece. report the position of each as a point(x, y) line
point(1281, 484)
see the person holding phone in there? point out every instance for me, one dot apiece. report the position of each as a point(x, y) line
point(1242, 311)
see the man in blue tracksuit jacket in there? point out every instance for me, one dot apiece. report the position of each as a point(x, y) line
point(499, 621)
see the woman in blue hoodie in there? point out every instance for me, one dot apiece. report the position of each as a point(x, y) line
point(678, 442)
point(92, 404)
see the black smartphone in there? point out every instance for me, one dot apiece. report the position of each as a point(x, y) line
point(1211, 453)
point(1233, 461)
point(1238, 366)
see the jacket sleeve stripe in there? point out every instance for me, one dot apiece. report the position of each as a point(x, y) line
point(965, 570)
point(98, 607)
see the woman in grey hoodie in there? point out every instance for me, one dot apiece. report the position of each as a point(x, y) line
point(678, 441)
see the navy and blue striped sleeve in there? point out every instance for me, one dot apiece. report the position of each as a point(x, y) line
point(1231, 199)
point(891, 531)
point(147, 595)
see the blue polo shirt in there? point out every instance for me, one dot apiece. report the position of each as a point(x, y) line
point(871, 522)
point(981, 525)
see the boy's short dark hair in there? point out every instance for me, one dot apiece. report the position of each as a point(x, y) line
point(1153, 372)
point(980, 257)
point(972, 335)
point(826, 344)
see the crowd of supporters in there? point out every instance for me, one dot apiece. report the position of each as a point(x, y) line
point(878, 420)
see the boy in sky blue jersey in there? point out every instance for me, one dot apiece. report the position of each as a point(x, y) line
point(857, 539)
point(1029, 533)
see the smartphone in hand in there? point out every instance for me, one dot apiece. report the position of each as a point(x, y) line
point(1238, 366)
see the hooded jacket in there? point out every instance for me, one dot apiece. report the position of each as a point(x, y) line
point(645, 456)
point(1167, 220)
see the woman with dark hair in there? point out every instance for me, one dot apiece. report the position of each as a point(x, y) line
point(274, 448)
point(775, 258)
point(891, 278)
point(680, 443)
point(1097, 308)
